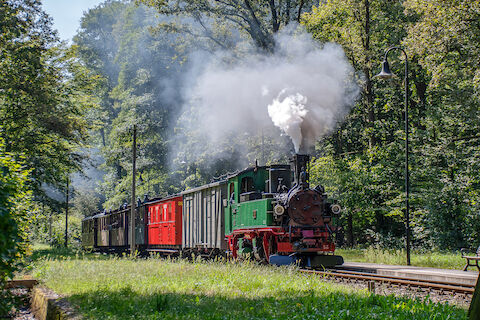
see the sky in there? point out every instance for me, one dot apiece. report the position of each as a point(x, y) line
point(66, 14)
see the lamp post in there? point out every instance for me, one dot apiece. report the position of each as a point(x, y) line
point(387, 74)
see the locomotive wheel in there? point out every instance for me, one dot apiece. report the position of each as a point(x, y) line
point(258, 251)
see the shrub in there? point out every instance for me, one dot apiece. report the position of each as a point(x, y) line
point(14, 201)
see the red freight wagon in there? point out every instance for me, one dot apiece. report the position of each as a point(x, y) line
point(165, 224)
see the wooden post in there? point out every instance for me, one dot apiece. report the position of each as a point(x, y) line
point(132, 212)
point(474, 310)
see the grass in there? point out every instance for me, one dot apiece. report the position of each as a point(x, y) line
point(123, 288)
point(398, 257)
point(44, 252)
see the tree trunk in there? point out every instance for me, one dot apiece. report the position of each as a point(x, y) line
point(273, 10)
point(300, 7)
point(102, 134)
point(350, 230)
point(263, 41)
point(421, 90)
point(368, 80)
point(288, 7)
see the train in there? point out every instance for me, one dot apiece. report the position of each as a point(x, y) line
point(266, 213)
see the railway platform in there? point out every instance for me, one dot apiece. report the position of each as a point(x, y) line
point(417, 273)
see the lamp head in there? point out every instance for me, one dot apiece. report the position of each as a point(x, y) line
point(385, 73)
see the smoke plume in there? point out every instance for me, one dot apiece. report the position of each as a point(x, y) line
point(303, 88)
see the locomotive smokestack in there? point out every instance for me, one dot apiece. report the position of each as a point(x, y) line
point(299, 164)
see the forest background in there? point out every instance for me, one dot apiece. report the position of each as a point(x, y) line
point(67, 112)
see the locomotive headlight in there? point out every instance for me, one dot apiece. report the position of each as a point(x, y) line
point(336, 209)
point(278, 210)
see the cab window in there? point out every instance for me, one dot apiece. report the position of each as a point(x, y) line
point(231, 192)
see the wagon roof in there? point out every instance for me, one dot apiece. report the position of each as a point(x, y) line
point(273, 166)
point(160, 199)
point(88, 218)
point(206, 186)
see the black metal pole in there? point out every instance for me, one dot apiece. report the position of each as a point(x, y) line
point(407, 176)
point(66, 213)
point(133, 204)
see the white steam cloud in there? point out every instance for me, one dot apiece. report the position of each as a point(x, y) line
point(303, 88)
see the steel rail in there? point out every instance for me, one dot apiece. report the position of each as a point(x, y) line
point(457, 288)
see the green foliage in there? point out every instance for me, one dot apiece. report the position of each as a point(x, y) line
point(140, 77)
point(445, 39)
point(219, 21)
point(163, 289)
point(14, 203)
point(44, 92)
point(440, 40)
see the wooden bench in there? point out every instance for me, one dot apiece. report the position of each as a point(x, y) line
point(475, 258)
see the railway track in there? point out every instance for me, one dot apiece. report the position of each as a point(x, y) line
point(413, 285)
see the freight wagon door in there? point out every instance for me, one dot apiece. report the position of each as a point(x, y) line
point(170, 221)
point(164, 224)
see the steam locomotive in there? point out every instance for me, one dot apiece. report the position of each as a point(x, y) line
point(268, 213)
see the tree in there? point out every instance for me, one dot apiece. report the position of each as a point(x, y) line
point(260, 20)
point(43, 93)
point(141, 76)
point(441, 39)
point(14, 202)
point(364, 28)
point(445, 38)
point(370, 138)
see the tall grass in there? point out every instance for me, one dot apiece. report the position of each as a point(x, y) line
point(123, 288)
point(398, 257)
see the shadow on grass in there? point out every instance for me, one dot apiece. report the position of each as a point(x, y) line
point(129, 304)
